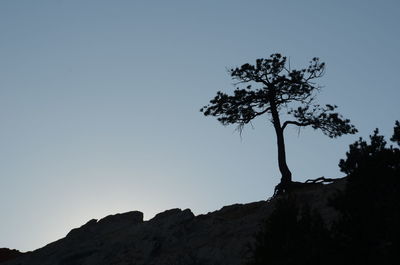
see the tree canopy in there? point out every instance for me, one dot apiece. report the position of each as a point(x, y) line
point(271, 86)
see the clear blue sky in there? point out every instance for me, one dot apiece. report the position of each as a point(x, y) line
point(99, 103)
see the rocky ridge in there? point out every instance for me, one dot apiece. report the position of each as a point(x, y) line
point(173, 237)
point(8, 254)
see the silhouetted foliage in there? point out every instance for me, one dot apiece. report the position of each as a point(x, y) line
point(367, 230)
point(293, 234)
point(272, 87)
point(396, 133)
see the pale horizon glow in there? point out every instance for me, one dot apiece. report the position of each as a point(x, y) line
point(100, 100)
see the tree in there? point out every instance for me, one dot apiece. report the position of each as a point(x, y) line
point(270, 87)
point(367, 229)
point(396, 133)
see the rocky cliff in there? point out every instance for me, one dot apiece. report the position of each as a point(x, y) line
point(173, 237)
point(8, 254)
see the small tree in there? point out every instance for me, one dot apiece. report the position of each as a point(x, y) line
point(278, 88)
point(367, 229)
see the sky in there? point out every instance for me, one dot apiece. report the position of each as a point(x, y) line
point(100, 100)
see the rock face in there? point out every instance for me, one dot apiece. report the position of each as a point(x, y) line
point(8, 254)
point(173, 237)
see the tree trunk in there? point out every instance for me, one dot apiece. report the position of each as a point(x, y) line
point(283, 168)
point(286, 174)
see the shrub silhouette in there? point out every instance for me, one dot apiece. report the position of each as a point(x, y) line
point(367, 230)
point(396, 133)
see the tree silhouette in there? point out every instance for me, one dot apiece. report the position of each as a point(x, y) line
point(396, 133)
point(365, 229)
point(271, 87)
point(368, 231)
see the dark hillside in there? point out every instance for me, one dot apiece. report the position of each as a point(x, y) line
point(172, 237)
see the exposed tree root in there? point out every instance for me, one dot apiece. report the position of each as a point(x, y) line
point(294, 185)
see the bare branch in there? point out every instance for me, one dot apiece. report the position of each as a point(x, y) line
point(300, 124)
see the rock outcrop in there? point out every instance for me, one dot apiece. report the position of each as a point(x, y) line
point(173, 237)
point(9, 254)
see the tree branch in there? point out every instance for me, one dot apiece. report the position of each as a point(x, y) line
point(300, 124)
point(264, 111)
